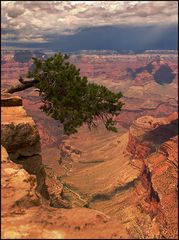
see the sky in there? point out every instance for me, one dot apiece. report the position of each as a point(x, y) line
point(52, 23)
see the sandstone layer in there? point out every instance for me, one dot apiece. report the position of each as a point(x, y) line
point(132, 177)
point(25, 216)
point(33, 199)
point(20, 138)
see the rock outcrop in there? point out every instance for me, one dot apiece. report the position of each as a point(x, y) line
point(153, 143)
point(18, 187)
point(8, 100)
point(20, 138)
point(25, 216)
point(121, 177)
point(147, 133)
point(33, 199)
point(163, 167)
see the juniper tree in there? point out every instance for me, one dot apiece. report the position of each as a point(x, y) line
point(68, 97)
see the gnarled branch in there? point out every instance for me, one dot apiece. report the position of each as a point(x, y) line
point(24, 84)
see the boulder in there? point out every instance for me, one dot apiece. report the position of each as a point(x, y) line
point(19, 134)
point(18, 187)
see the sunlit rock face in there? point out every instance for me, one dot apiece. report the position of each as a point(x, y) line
point(19, 134)
point(22, 191)
point(120, 175)
point(130, 176)
point(147, 133)
point(20, 137)
point(163, 166)
point(33, 199)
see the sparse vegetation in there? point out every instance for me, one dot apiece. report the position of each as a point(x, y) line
point(70, 98)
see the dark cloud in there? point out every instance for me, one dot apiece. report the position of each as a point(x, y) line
point(31, 21)
point(110, 38)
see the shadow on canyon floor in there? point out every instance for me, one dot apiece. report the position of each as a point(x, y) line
point(162, 133)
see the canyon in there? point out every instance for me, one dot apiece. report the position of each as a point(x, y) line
point(135, 75)
point(130, 193)
point(105, 184)
point(34, 201)
point(130, 177)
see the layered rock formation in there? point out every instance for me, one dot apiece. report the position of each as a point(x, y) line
point(147, 133)
point(31, 193)
point(20, 138)
point(157, 70)
point(153, 143)
point(12, 69)
point(163, 167)
point(132, 177)
point(15, 63)
point(24, 216)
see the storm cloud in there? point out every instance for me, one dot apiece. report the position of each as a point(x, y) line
point(38, 21)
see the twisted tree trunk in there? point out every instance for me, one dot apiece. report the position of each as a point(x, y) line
point(24, 84)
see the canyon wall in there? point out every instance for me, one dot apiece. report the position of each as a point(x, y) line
point(33, 199)
point(124, 188)
point(133, 74)
point(153, 143)
point(132, 177)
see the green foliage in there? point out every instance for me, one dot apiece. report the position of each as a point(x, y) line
point(70, 98)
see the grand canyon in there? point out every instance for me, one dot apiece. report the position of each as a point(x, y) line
point(89, 120)
point(129, 176)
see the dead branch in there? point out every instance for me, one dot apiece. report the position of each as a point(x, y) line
point(26, 80)
point(24, 84)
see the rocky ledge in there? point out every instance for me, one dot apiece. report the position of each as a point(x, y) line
point(147, 133)
point(20, 138)
point(33, 199)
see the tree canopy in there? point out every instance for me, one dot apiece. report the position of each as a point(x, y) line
point(70, 98)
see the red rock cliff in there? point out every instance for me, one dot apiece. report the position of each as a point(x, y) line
point(33, 199)
point(153, 144)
